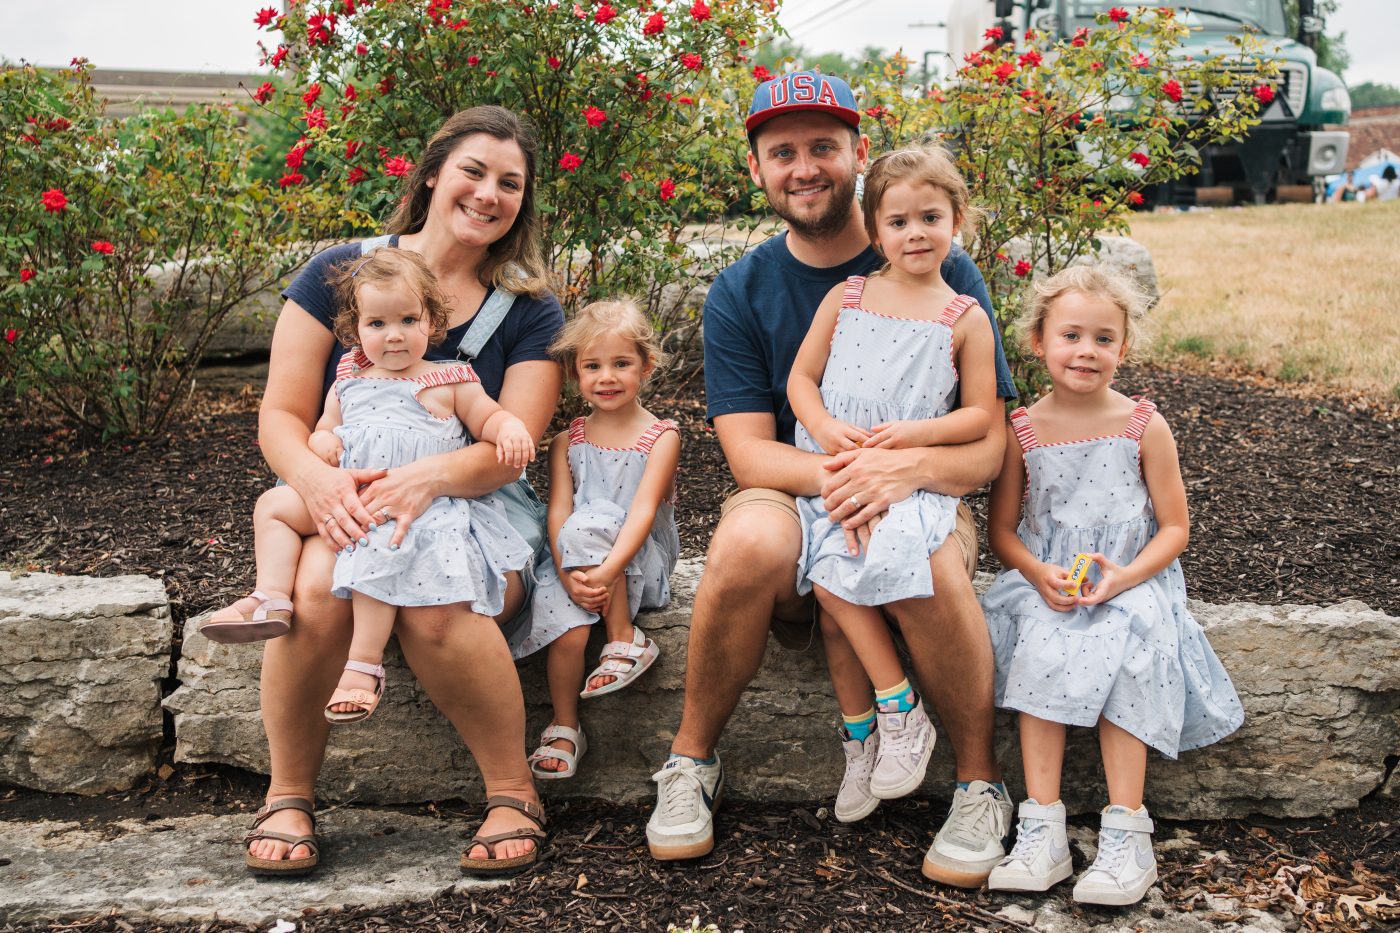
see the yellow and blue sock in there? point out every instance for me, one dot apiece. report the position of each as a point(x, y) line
point(860, 726)
point(897, 699)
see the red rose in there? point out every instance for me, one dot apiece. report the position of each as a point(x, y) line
point(26, 274)
point(761, 74)
point(291, 178)
point(352, 146)
point(361, 48)
point(877, 112)
point(692, 61)
point(1030, 59)
point(1135, 197)
point(29, 138)
point(397, 166)
point(1023, 268)
point(685, 100)
point(103, 247)
point(1172, 90)
point(595, 117)
point(11, 335)
point(699, 11)
point(667, 189)
point(54, 201)
point(473, 60)
point(295, 155)
point(315, 118)
point(278, 56)
point(264, 92)
point(625, 175)
point(1140, 61)
point(348, 7)
point(385, 85)
point(350, 92)
point(1140, 158)
point(265, 16)
point(356, 176)
point(654, 25)
point(319, 28)
point(1004, 71)
point(1118, 14)
point(1264, 94)
point(994, 34)
point(554, 62)
point(313, 92)
point(57, 125)
point(569, 161)
point(604, 14)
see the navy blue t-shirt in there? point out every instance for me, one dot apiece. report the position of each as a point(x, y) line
point(526, 333)
point(758, 313)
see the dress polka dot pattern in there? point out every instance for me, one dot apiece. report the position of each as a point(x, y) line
point(880, 369)
point(1140, 660)
point(605, 481)
point(458, 550)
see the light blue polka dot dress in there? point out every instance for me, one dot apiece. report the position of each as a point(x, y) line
point(605, 482)
point(458, 550)
point(880, 369)
point(1140, 660)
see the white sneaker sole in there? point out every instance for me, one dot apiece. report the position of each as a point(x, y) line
point(859, 813)
point(911, 783)
point(680, 851)
point(1017, 880)
point(1114, 898)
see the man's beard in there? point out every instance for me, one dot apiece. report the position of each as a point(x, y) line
point(832, 220)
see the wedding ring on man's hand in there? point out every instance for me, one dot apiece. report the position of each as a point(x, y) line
point(855, 500)
point(328, 520)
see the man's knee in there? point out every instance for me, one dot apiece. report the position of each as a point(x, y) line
point(755, 544)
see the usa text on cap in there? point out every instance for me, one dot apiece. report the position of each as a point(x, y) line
point(802, 90)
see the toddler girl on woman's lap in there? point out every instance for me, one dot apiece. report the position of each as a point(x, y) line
point(388, 407)
point(883, 366)
point(1091, 473)
point(612, 525)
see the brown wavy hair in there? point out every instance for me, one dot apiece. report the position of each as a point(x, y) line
point(381, 266)
point(515, 262)
point(599, 319)
point(930, 164)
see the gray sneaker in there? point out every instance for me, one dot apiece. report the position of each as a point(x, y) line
point(1125, 867)
point(906, 744)
point(854, 800)
point(973, 838)
point(687, 794)
point(1041, 857)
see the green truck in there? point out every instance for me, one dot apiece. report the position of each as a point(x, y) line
point(1300, 138)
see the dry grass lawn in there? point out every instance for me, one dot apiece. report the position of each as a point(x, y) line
point(1304, 293)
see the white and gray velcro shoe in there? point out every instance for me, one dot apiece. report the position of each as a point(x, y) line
point(1040, 858)
point(1125, 866)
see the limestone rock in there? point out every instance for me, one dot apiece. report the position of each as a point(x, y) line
point(81, 662)
point(1320, 686)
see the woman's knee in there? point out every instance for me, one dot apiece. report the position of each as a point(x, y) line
point(433, 627)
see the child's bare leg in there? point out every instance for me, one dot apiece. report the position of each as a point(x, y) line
point(280, 521)
point(617, 622)
point(1042, 757)
point(565, 669)
point(1124, 764)
point(374, 622)
point(854, 693)
point(868, 635)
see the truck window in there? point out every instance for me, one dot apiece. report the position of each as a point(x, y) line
point(1265, 15)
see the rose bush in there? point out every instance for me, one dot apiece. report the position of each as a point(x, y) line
point(124, 244)
point(1060, 139)
point(637, 138)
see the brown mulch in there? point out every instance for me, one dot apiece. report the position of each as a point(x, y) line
point(1291, 499)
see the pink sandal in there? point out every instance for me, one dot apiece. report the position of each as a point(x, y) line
point(624, 661)
point(365, 700)
point(271, 619)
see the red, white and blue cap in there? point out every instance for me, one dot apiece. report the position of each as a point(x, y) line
point(802, 90)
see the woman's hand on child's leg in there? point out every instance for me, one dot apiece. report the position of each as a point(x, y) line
point(1049, 580)
point(1113, 579)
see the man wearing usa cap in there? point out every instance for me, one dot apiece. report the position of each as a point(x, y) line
point(806, 151)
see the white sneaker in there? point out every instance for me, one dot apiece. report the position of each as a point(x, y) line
point(973, 838)
point(687, 794)
point(1041, 856)
point(1125, 866)
point(854, 800)
point(906, 744)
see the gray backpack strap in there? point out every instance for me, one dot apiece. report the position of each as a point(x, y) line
point(373, 243)
point(492, 313)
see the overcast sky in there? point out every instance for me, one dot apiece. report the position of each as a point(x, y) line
point(219, 35)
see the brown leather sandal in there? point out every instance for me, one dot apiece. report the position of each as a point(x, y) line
point(290, 867)
point(500, 866)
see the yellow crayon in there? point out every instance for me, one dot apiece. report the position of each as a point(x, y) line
point(1077, 573)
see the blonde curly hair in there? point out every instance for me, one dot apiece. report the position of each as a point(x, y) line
point(1097, 282)
point(620, 316)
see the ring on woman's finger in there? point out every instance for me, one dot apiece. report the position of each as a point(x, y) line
point(328, 520)
point(855, 501)
point(384, 513)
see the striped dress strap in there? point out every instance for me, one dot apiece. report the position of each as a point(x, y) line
point(855, 286)
point(1025, 433)
point(346, 368)
point(650, 435)
point(955, 309)
point(445, 376)
point(1142, 414)
point(576, 435)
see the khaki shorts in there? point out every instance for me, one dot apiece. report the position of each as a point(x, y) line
point(794, 623)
